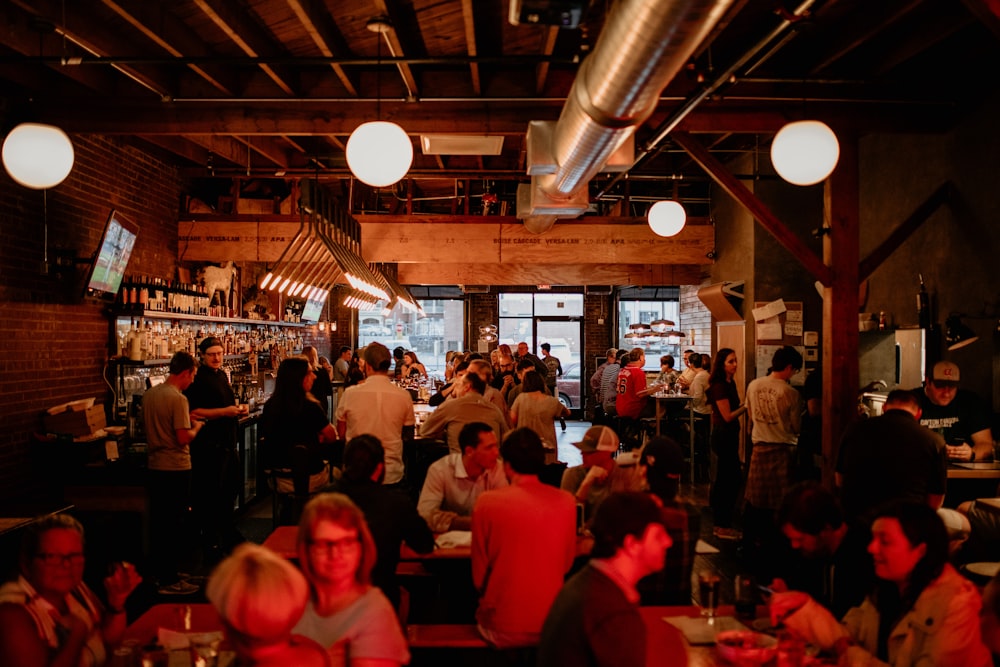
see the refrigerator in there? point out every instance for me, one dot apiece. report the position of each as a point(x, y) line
point(896, 358)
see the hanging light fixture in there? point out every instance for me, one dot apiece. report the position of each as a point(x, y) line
point(666, 218)
point(661, 325)
point(38, 156)
point(379, 152)
point(805, 152)
point(958, 335)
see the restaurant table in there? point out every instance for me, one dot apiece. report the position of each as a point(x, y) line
point(974, 470)
point(662, 400)
point(282, 542)
point(203, 618)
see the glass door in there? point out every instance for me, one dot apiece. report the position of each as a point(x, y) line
point(563, 335)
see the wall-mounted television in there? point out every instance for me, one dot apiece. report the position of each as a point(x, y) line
point(108, 267)
point(313, 310)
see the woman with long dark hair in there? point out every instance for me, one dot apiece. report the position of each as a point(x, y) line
point(293, 416)
point(921, 611)
point(724, 398)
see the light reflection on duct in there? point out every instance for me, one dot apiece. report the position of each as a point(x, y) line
point(401, 295)
point(360, 300)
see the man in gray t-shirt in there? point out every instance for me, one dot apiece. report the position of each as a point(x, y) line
point(169, 432)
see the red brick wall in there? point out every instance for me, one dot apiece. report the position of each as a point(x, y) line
point(55, 344)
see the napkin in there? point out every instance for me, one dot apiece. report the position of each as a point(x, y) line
point(454, 538)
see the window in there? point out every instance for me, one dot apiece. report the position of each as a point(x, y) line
point(429, 336)
point(643, 306)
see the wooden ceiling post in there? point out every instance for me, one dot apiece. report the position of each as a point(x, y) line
point(840, 301)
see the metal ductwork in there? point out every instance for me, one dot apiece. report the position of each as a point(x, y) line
point(643, 45)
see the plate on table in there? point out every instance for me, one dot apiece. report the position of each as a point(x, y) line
point(988, 570)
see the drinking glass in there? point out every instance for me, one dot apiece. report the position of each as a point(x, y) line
point(708, 592)
point(205, 648)
point(745, 596)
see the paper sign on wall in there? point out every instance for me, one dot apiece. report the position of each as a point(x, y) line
point(769, 310)
point(769, 329)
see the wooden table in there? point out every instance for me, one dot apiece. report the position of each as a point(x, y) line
point(665, 644)
point(985, 470)
point(171, 616)
point(282, 542)
point(662, 400)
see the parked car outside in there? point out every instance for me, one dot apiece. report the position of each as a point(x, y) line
point(568, 387)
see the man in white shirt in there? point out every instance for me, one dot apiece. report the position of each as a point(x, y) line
point(455, 482)
point(379, 408)
point(775, 410)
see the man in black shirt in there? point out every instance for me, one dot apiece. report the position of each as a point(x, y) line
point(828, 557)
point(957, 414)
point(391, 515)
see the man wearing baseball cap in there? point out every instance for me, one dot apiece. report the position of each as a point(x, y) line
point(600, 475)
point(957, 414)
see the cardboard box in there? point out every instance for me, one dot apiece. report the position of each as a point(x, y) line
point(75, 424)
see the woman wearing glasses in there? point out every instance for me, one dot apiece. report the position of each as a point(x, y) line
point(345, 613)
point(48, 616)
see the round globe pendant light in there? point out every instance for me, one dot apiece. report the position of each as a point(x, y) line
point(805, 152)
point(379, 153)
point(666, 218)
point(38, 156)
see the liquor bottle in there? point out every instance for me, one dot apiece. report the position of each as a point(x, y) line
point(923, 305)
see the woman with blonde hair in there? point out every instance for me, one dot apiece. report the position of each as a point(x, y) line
point(260, 597)
point(345, 613)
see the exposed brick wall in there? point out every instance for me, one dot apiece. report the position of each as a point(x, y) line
point(55, 344)
point(597, 337)
point(696, 321)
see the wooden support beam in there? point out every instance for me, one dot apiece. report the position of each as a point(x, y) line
point(799, 250)
point(481, 273)
point(905, 230)
point(840, 301)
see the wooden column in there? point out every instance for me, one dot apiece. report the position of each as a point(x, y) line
point(840, 301)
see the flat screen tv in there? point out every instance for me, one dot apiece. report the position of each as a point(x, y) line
point(108, 266)
point(313, 309)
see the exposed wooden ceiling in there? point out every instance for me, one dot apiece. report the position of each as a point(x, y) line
point(273, 88)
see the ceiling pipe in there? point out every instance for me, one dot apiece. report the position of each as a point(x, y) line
point(724, 77)
point(643, 45)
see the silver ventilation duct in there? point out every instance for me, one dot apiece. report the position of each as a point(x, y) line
point(643, 45)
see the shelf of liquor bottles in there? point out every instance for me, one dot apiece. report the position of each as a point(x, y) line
point(144, 336)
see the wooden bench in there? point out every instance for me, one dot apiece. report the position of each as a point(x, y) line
point(444, 636)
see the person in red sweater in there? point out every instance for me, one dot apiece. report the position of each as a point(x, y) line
point(523, 544)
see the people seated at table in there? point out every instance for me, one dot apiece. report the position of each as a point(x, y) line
point(447, 390)
point(595, 618)
point(523, 544)
point(632, 400)
point(259, 597)
point(920, 612)
point(380, 408)
point(828, 557)
point(667, 375)
point(890, 457)
point(687, 375)
point(662, 463)
point(959, 415)
point(599, 475)
point(484, 370)
point(698, 391)
point(345, 613)
point(537, 409)
point(391, 515)
point(412, 368)
point(455, 482)
point(48, 615)
point(291, 417)
point(609, 384)
point(469, 405)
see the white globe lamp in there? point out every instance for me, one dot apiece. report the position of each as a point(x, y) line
point(666, 218)
point(805, 152)
point(379, 153)
point(38, 156)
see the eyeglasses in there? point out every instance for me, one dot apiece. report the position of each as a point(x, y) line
point(75, 558)
point(329, 546)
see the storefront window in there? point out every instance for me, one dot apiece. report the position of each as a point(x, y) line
point(645, 311)
point(440, 328)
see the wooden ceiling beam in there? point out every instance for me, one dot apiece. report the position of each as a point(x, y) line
point(172, 36)
point(988, 13)
point(548, 46)
point(94, 37)
point(396, 47)
point(469, 20)
point(267, 147)
point(248, 37)
point(481, 273)
point(326, 37)
point(226, 148)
